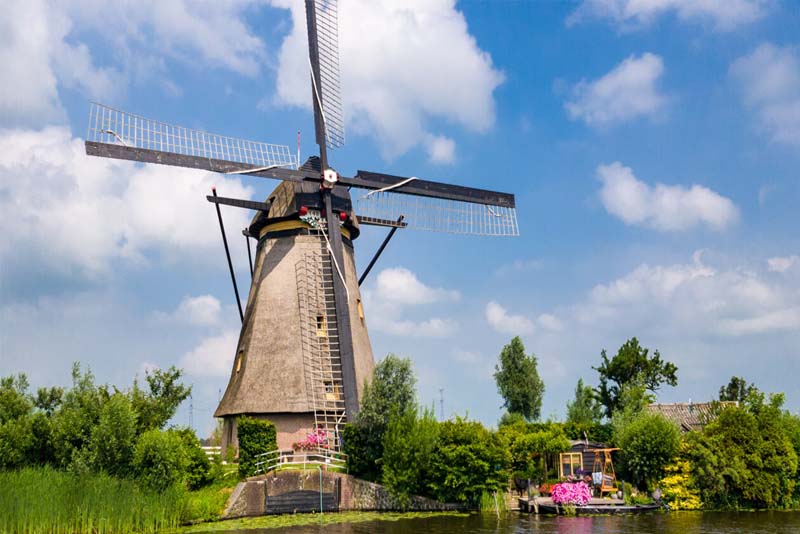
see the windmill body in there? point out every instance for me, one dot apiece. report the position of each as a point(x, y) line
point(288, 366)
point(303, 354)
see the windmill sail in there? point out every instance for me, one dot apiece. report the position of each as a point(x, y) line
point(109, 126)
point(437, 214)
point(323, 42)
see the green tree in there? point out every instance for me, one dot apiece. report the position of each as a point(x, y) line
point(631, 363)
point(584, 408)
point(165, 393)
point(468, 460)
point(649, 443)
point(408, 446)
point(159, 459)
point(737, 390)
point(530, 450)
point(390, 391)
point(78, 414)
point(198, 468)
point(518, 381)
point(744, 459)
point(113, 439)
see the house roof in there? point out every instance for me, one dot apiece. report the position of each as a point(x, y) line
point(689, 415)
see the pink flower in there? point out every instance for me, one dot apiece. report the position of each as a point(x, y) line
point(578, 493)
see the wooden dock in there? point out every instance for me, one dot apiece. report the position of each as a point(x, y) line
point(596, 506)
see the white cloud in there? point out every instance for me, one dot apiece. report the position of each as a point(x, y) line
point(549, 321)
point(725, 15)
point(395, 290)
point(402, 64)
point(398, 285)
point(441, 149)
point(42, 52)
point(518, 266)
point(782, 264)
point(694, 300)
point(663, 207)
point(770, 81)
point(213, 33)
point(203, 310)
point(212, 356)
point(628, 91)
point(434, 327)
point(501, 321)
point(73, 214)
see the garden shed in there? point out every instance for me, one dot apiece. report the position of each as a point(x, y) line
point(579, 459)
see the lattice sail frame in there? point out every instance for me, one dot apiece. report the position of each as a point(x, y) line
point(112, 126)
point(327, 18)
point(437, 214)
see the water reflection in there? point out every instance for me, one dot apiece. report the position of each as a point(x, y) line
point(673, 523)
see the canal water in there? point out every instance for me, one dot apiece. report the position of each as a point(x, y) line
point(672, 523)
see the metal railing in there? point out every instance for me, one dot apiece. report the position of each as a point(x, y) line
point(289, 458)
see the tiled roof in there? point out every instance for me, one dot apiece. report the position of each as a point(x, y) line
point(688, 415)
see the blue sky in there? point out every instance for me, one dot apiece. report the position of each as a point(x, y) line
point(653, 148)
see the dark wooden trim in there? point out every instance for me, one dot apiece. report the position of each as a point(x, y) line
point(240, 203)
point(374, 221)
point(363, 179)
point(346, 353)
point(107, 150)
point(424, 188)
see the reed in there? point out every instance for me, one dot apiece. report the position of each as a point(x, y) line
point(47, 501)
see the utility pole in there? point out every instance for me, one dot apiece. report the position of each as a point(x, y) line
point(441, 404)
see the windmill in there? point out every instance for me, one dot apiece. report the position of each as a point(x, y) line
point(303, 353)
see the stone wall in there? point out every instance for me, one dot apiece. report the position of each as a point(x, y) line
point(250, 497)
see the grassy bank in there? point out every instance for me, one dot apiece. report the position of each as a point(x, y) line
point(294, 520)
point(46, 501)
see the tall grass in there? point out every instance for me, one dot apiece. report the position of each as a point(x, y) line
point(46, 501)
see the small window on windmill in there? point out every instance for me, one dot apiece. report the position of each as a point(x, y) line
point(331, 391)
point(322, 328)
point(360, 310)
point(239, 358)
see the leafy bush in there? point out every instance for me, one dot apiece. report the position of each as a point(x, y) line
point(390, 391)
point(467, 461)
point(256, 436)
point(198, 470)
point(530, 450)
point(649, 442)
point(113, 438)
point(407, 448)
point(677, 487)
point(160, 460)
point(744, 459)
point(600, 432)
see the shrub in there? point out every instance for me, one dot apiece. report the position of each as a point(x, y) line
point(467, 461)
point(256, 436)
point(159, 459)
point(649, 442)
point(743, 459)
point(407, 448)
point(113, 438)
point(198, 470)
point(363, 450)
point(677, 487)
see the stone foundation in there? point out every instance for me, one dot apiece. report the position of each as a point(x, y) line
point(250, 498)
